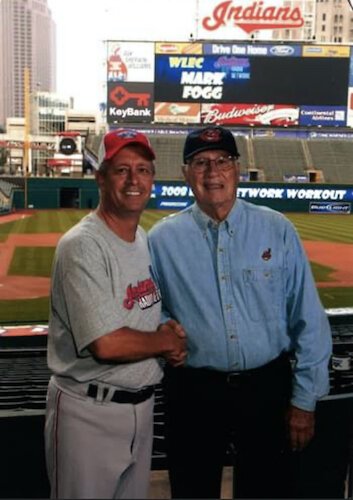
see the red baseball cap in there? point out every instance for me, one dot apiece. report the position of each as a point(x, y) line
point(117, 139)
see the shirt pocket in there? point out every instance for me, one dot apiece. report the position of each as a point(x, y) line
point(264, 292)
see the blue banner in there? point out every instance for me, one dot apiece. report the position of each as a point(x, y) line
point(255, 49)
point(176, 191)
point(323, 116)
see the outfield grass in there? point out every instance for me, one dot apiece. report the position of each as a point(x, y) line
point(37, 261)
point(321, 273)
point(32, 261)
point(43, 221)
point(24, 311)
point(324, 227)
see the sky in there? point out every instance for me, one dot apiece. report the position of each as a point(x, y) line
point(83, 26)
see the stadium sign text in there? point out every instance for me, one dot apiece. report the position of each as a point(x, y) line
point(132, 112)
point(330, 208)
point(291, 193)
point(254, 17)
point(258, 114)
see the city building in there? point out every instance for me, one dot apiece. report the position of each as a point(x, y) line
point(304, 32)
point(334, 21)
point(48, 112)
point(27, 40)
point(325, 21)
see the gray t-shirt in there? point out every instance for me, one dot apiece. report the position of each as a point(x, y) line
point(100, 283)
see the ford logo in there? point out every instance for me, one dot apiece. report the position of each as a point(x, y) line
point(282, 50)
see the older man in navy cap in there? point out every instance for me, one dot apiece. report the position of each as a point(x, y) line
point(104, 337)
point(236, 277)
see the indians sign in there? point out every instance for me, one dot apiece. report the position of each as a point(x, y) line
point(249, 17)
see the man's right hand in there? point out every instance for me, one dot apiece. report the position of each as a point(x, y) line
point(175, 337)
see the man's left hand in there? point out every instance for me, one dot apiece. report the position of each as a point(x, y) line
point(301, 427)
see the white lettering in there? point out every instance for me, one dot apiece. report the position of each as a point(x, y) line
point(123, 113)
point(316, 194)
point(198, 92)
point(202, 78)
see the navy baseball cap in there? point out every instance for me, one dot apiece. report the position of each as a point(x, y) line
point(209, 138)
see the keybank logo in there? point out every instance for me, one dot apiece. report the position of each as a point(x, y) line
point(282, 50)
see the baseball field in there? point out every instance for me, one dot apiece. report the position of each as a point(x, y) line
point(28, 240)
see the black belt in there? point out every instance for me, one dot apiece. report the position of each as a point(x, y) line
point(130, 397)
point(233, 378)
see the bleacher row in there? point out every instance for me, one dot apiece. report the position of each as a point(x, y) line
point(271, 158)
point(262, 158)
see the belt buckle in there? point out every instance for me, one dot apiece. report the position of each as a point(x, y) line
point(233, 378)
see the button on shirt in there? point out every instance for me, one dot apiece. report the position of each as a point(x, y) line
point(244, 292)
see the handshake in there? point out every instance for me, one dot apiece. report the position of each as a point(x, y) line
point(173, 339)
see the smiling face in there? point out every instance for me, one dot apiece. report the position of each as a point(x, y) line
point(214, 188)
point(125, 182)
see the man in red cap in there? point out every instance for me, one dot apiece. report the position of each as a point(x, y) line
point(104, 336)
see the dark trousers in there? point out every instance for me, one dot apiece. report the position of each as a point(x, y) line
point(205, 412)
point(320, 471)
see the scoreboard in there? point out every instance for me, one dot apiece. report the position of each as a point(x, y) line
point(229, 83)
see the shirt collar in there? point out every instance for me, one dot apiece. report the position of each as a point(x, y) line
point(231, 222)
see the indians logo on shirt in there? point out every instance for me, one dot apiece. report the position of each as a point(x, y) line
point(145, 293)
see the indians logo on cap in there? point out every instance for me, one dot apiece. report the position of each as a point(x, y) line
point(126, 133)
point(211, 135)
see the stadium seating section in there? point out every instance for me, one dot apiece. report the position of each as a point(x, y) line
point(270, 158)
point(262, 158)
point(333, 158)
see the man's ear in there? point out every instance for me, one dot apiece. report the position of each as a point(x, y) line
point(184, 169)
point(99, 178)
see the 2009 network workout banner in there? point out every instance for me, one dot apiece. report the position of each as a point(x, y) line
point(318, 198)
point(229, 83)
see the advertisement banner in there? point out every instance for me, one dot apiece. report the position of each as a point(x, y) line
point(323, 116)
point(326, 51)
point(178, 48)
point(130, 62)
point(321, 199)
point(168, 82)
point(330, 208)
point(295, 193)
point(129, 102)
point(246, 79)
point(177, 112)
point(252, 49)
point(249, 114)
point(237, 19)
point(295, 178)
point(195, 78)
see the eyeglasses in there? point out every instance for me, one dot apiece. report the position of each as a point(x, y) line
point(222, 163)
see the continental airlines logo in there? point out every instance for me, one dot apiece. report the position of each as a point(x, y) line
point(256, 16)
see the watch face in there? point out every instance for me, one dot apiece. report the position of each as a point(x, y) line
point(67, 146)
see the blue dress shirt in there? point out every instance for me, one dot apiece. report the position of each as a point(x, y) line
point(244, 292)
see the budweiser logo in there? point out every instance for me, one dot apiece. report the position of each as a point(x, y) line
point(256, 114)
point(254, 17)
point(215, 115)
